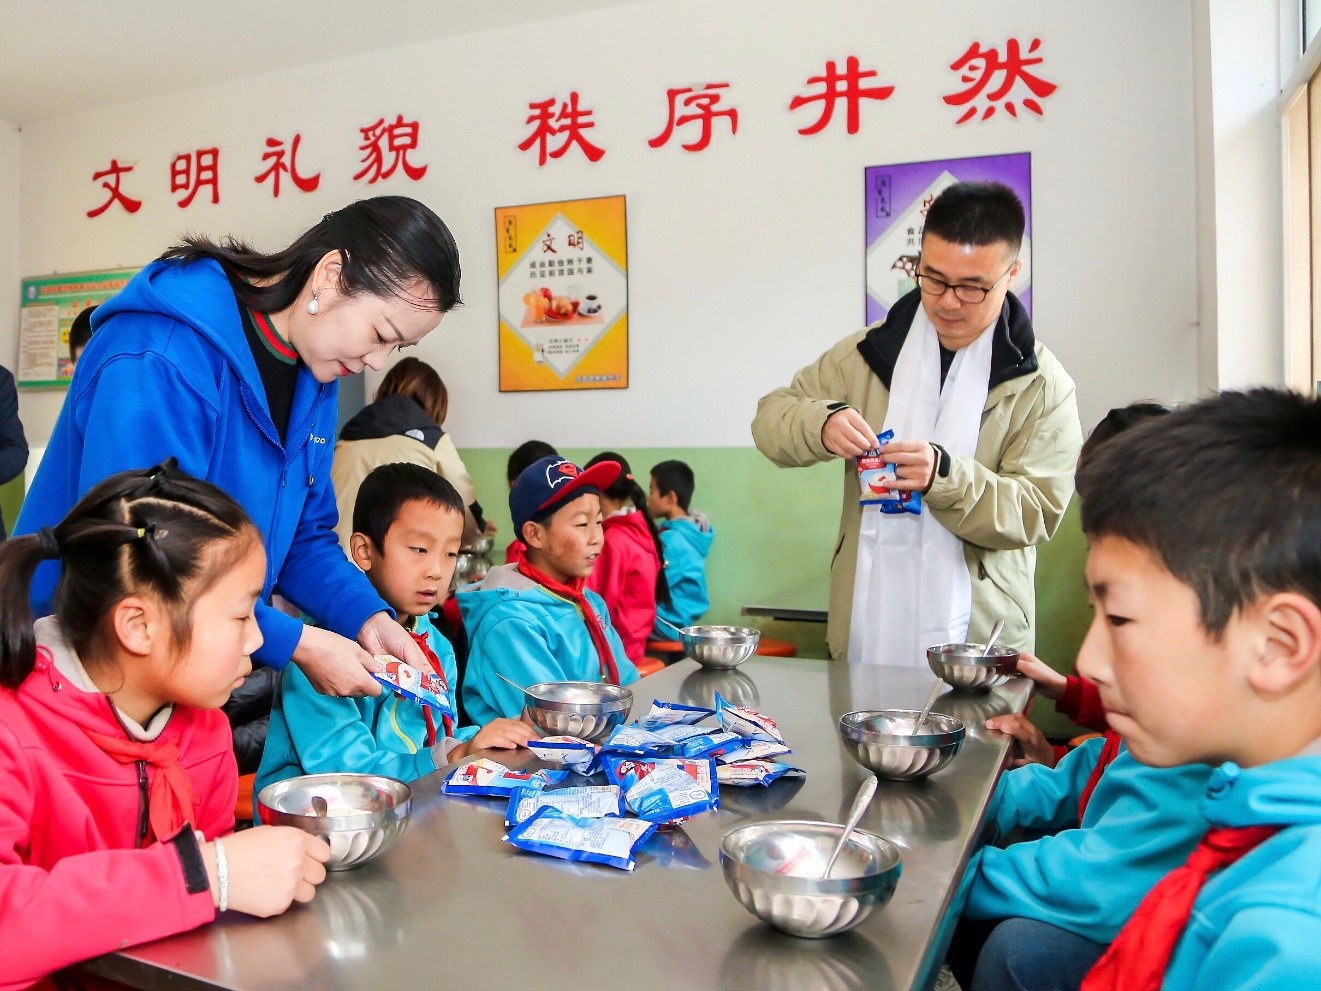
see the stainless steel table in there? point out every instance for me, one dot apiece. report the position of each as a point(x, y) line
point(451, 906)
point(805, 603)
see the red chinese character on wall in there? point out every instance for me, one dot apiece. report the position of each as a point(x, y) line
point(191, 171)
point(398, 139)
point(571, 121)
point(700, 106)
point(274, 154)
point(836, 86)
point(110, 178)
point(978, 66)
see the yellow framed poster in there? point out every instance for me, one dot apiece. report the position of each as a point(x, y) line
point(563, 295)
point(49, 304)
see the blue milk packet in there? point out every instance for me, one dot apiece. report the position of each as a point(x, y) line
point(413, 683)
point(608, 841)
point(592, 802)
point(664, 714)
point(491, 778)
point(663, 789)
point(576, 754)
point(631, 738)
point(746, 773)
point(874, 477)
point(747, 723)
point(752, 750)
point(697, 741)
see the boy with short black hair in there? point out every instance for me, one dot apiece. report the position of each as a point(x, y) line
point(407, 528)
point(686, 538)
point(535, 621)
point(1205, 572)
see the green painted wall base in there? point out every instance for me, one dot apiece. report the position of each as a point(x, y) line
point(775, 531)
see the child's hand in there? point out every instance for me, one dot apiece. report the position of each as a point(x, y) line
point(498, 734)
point(1036, 749)
point(270, 867)
point(1050, 682)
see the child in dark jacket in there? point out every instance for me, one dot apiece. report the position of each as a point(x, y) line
point(117, 776)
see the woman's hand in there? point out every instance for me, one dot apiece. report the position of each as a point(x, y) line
point(1050, 682)
point(270, 868)
point(337, 666)
point(383, 635)
point(498, 734)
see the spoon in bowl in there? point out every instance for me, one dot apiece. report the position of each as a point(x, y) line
point(860, 802)
point(926, 709)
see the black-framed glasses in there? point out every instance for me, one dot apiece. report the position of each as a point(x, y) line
point(932, 286)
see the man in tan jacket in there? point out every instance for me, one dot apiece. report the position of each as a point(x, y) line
point(986, 428)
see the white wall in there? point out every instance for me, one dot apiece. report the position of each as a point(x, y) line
point(746, 260)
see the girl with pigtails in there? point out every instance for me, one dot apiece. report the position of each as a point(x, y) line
point(117, 773)
point(630, 575)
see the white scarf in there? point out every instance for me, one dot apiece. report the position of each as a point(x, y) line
point(911, 588)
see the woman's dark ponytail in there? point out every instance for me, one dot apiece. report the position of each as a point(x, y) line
point(626, 489)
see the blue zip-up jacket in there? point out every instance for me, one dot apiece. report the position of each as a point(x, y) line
point(1257, 924)
point(686, 542)
point(528, 634)
point(311, 733)
point(168, 372)
point(1141, 822)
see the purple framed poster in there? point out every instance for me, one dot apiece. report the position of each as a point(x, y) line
point(897, 197)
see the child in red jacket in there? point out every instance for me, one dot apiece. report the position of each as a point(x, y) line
point(117, 772)
point(630, 574)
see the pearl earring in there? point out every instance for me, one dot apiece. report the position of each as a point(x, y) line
point(314, 305)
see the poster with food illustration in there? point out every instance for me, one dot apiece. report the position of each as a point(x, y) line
point(563, 297)
point(896, 198)
point(49, 305)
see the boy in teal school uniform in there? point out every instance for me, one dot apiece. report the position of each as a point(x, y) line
point(407, 527)
point(1205, 573)
point(686, 538)
point(534, 620)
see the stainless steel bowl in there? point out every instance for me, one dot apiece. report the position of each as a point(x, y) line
point(774, 869)
point(365, 813)
point(481, 546)
point(719, 647)
point(967, 666)
point(882, 741)
point(589, 710)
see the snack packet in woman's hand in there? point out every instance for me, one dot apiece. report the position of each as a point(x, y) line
point(665, 789)
point(413, 683)
point(484, 776)
point(747, 723)
point(607, 841)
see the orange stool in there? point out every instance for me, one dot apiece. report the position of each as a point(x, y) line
point(655, 647)
point(776, 648)
point(243, 808)
point(649, 665)
point(1082, 738)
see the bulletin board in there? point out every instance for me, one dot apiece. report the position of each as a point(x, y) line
point(49, 305)
point(563, 296)
point(896, 199)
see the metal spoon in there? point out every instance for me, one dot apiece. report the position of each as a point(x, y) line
point(319, 806)
point(860, 802)
point(996, 630)
point(926, 709)
point(666, 622)
point(510, 682)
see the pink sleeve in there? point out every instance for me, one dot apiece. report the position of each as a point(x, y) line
point(85, 905)
point(628, 587)
point(219, 791)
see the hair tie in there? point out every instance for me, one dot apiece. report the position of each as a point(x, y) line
point(628, 478)
point(50, 547)
point(149, 532)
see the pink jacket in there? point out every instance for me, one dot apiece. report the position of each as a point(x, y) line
point(74, 883)
point(625, 576)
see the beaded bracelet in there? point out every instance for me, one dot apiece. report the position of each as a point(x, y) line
point(222, 876)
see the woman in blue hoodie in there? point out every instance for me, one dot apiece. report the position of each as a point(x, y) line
point(229, 360)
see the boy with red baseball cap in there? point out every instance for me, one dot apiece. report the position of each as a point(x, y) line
point(534, 621)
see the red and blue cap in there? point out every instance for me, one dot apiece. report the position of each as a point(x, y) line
point(550, 483)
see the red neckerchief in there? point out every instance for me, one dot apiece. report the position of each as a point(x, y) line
point(1140, 955)
point(170, 802)
point(574, 592)
point(448, 722)
point(1109, 751)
